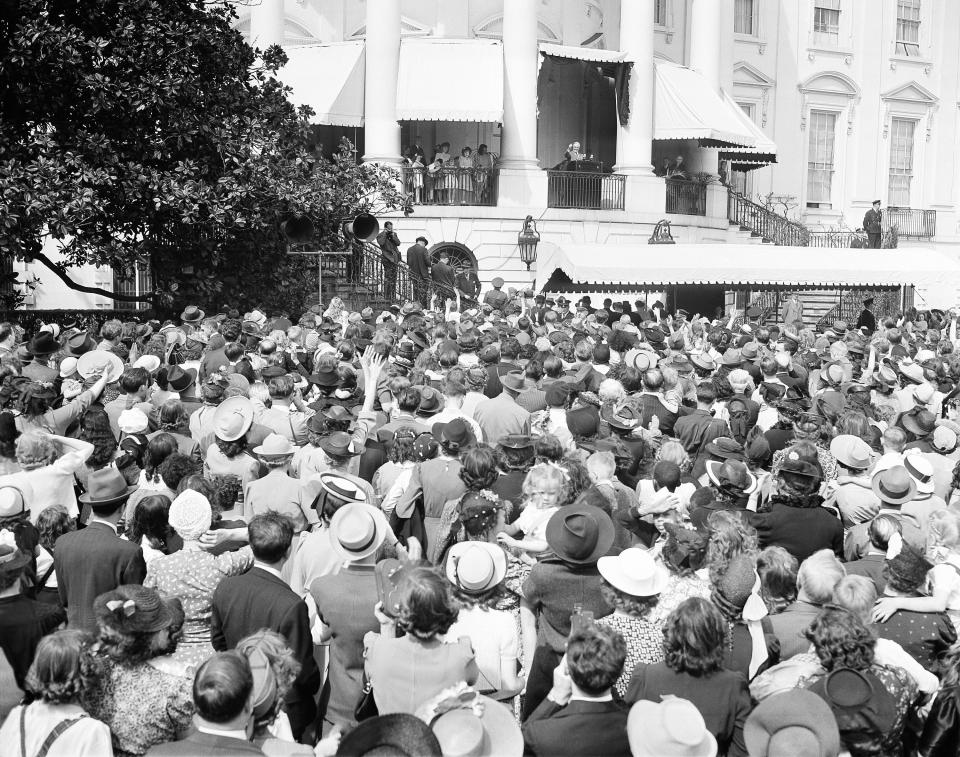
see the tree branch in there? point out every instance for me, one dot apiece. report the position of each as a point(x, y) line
point(61, 274)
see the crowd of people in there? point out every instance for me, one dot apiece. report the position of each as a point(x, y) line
point(530, 527)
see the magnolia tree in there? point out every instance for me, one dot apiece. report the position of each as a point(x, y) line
point(137, 131)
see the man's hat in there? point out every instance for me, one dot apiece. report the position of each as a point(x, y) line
point(43, 343)
point(516, 441)
point(105, 487)
point(80, 343)
point(357, 530)
point(515, 381)
point(580, 534)
point(179, 380)
point(851, 451)
point(338, 444)
point(431, 401)
point(192, 314)
point(894, 486)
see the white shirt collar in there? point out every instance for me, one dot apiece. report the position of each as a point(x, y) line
point(608, 697)
point(95, 519)
point(268, 568)
point(238, 734)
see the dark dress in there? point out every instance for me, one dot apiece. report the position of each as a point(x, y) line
point(799, 530)
point(23, 622)
point(925, 636)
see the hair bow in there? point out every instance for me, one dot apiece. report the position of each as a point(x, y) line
point(754, 610)
point(127, 607)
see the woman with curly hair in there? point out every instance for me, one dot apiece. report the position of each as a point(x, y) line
point(149, 526)
point(684, 555)
point(777, 569)
point(52, 523)
point(141, 704)
point(692, 669)
point(172, 418)
point(729, 538)
point(95, 428)
point(845, 647)
point(393, 477)
point(49, 464)
point(61, 670)
point(405, 672)
point(35, 403)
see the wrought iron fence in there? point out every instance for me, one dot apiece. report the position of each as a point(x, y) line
point(848, 239)
point(766, 224)
point(686, 197)
point(911, 222)
point(451, 185)
point(585, 190)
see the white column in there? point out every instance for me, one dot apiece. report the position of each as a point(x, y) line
point(266, 23)
point(453, 18)
point(519, 139)
point(705, 33)
point(381, 130)
point(634, 141)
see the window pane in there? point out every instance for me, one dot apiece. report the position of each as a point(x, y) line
point(901, 161)
point(826, 21)
point(743, 17)
point(908, 27)
point(660, 12)
point(820, 156)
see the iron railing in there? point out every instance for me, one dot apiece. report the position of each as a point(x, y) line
point(585, 190)
point(764, 223)
point(686, 197)
point(838, 239)
point(451, 185)
point(911, 222)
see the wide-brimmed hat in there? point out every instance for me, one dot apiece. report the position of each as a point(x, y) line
point(703, 361)
point(105, 487)
point(457, 432)
point(336, 413)
point(150, 363)
point(725, 448)
point(232, 418)
point(919, 422)
point(634, 572)
point(339, 486)
point(860, 697)
point(132, 608)
point(911, 371)
point(671, 728)
point(179, 379)
point(357, 530)
point(44, 343)
point(400, 734)
point(431, 401)
point(275, 446)
point(475, 725)
point(338, 444)
point(580, 534)
point(795, 722)
point(99, 363)
point(476, 566)
point(732, 474)
point(921, 471)
point(894, 486)
point(78, 344)
point(851, 451)
point(192, 314)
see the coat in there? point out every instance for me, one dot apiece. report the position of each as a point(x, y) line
point(580, 729)
point(419, 261)
point(199, 744)
point(872, 221)
point(90, 562)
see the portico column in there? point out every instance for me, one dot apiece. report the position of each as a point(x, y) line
point(381, 130)
point(635, 140)
point(519, 137)
point(706, 31)
point(266, 23)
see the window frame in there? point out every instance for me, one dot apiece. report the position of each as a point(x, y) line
point(754, 32)
point(661, 13)
point(831, 167)
point(826, 36)
point(141, 282)
point(901, 45)
point(901, 171)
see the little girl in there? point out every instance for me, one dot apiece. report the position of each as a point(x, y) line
point(543, 490)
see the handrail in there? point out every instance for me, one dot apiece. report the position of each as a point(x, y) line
point(686, 197)
point(770, 226)
point(585, 190)
point(450, 185)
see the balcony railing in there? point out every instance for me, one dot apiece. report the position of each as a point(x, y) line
point(911, 222)
point(686, 197)
point(764, 223)
point(584, 190)
point(451, 185)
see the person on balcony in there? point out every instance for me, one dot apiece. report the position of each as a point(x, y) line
point(443, 177)
point(679, 170)
point(464, 177)
point(390, 246)
point(573, 154)
point(872, 224)
point(664, 170)
point(483, 162)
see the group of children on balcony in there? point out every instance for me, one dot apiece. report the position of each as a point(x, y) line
point(448, 180)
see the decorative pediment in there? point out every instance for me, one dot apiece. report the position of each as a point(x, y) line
point(830, 83)
point(408, 28)
point(294, 33)
point(911, 100)
point(747, 75)
point(910, 92)
point(493, 27)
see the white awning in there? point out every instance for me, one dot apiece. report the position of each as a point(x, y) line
point(748, 158)
point(450, 80)
point(328, 78)
point(687, 107)
point(591, 54)
point(641, 265)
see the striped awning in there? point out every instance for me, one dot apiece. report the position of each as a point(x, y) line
point(748, 158)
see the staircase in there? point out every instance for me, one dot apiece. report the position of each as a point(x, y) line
point(764, 224)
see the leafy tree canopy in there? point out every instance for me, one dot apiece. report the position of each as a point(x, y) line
point(135, 130)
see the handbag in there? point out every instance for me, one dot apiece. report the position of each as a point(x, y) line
point(366, 706)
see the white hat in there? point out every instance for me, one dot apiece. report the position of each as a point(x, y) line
point(671, 728)
point(275, 445)
point(921, 471)
point(923, 394)
point(133, 421)
point(358, 530)
point(150, 362)
point(100, 362)
point(232, 418)
point(476, 566)
point(634, 572)
point(68, 366)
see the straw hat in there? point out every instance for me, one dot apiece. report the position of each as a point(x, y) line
point(98, 363)
point(475, 567)
point(357, 530)
point(671, 728)
point(232, 418)
point(275, 446)
point(634, 572)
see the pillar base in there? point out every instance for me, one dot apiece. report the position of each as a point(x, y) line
point(522, 188)
point(716, 200)
point(645, 193)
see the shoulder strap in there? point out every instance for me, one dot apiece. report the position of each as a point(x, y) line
point(23, 730)
point(55, 734)
point(42, 581)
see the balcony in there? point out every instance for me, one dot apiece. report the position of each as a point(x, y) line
point(686, 197)
point(451, 186)
point(585, 190)
point(911, 223)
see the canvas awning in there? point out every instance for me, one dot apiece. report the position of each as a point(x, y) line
point(590, 54)
point(687, 107)
point(328, 78)
point(612, 63)
point(450, 80)
point(653, 265)
point(749, 158)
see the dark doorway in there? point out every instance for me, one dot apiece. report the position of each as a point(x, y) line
point(699, 298)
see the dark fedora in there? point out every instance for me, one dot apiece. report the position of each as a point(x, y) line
point(514, 381)
point(43, 344)
point(919, 423)
point(325, 376)
point(431, 401)
point(580, 534)
point(456, 432)
point(106, 487)
point(625, 418)
point(516, 441)
point(399, 734)
point(192, 314)
point(338, 444)
point(12, 560)
point(179, 379)
point(337, 413)
point(273, 371)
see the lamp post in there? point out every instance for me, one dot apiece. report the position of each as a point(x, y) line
point(527, 241)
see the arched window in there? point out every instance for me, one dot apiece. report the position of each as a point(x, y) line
point(461, 258)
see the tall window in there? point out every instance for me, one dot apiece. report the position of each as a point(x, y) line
point(901, 161)
point(660, 12)
point(742, 181)
point(823, 125)
point(908, 27)
point(826, 21)
point(139, 283)
point(743, 20)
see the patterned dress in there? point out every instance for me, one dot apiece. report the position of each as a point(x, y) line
point(192, 575)
point(644, 644)
point(678, 589)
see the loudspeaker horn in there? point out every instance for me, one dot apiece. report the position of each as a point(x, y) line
point(364, 227)
point(298, 229)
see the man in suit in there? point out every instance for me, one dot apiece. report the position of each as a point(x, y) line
point(96, 560)
point(872, 224)
point(259, 599)
point(418, 260)
point(867, 320)
point(501, 416)
point(390, 246)
point(212, 361)
point(579, 715)
point(222, 692)
point(444, 280)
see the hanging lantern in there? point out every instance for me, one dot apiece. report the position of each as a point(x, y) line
point(527, 241)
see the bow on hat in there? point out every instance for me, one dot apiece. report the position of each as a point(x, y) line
point(120, 607)
point(754, 611)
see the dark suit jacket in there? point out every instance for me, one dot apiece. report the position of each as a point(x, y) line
point(419, 261)
point(258, 599)
point(871, 221)
point(90, 562)
point(581, 729)
point(211, 362)
point(204, 745)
